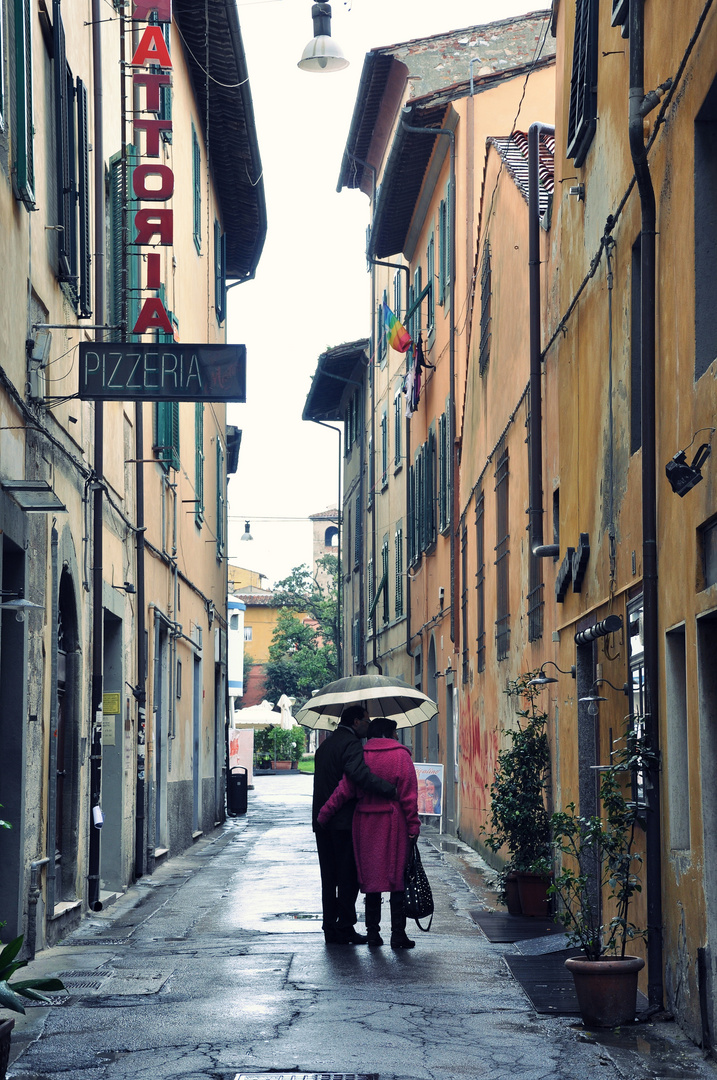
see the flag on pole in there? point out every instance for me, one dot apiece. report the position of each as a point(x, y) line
point(396, 335)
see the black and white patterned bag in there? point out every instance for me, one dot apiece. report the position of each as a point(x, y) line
point(418, 898)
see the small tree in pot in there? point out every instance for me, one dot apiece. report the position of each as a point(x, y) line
point(519, 820)
point(600, 863)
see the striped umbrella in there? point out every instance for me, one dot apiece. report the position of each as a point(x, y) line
point(380, 694)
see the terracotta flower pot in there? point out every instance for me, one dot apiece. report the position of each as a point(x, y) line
point(533, 890)
point(606, 989)
point(6, 1027)
point(282, 765)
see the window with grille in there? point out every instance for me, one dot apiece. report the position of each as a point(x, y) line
point(582, 114)
point(480, 580)
point(384, 581)
point(197, 190)
point(485, 309)
point(398, 591)
point(199, 463)
point(397, 429)
point(502, 554)
point(465, 657)
point(369, 596)
point(384, 448)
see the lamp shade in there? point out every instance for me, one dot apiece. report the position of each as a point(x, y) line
point(322, 54)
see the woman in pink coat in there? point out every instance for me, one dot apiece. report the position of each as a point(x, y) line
point(382, 829)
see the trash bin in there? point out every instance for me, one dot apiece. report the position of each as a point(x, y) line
point(237, 789)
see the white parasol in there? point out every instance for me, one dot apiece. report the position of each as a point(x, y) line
point(381, 695)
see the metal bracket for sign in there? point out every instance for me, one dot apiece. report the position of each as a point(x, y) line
point(71, 326)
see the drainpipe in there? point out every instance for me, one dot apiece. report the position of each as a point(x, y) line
point(640, 105)
point(93, 867)
point(451, 347)
point(538, 548)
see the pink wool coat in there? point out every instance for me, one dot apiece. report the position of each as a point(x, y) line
point(381, 827)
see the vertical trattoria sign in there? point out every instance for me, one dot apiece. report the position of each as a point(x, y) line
point(152, 181)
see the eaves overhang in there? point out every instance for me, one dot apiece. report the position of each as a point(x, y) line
point(410, 156)
point(337, 369)
point(372, 86)
point(220, 80)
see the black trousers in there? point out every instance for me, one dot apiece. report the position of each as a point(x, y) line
point(339, 883)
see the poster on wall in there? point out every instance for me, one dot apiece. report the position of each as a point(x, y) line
point(430, 788)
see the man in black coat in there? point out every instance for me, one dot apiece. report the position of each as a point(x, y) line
point(342, 753)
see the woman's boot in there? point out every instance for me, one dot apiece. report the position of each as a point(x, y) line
point(399, 940)
point(373, 918)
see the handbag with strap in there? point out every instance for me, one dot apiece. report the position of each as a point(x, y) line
point(418, 898)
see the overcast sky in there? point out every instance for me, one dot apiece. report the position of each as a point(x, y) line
point(311, 290)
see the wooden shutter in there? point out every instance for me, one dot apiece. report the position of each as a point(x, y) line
point(221, 498)
point(480, 581)
point(485, 310)
point(197, 190)
point(24, 154)
point(220, 279)
point(199, 462)
point(398, 541)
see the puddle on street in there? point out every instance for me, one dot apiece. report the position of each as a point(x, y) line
point(313, 915)
point(667, 1060)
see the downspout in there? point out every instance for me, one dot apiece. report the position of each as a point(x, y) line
point(93, 868)
point(372, 470)
point(451, 348)
point(640, 106)
point(537, 547)
point(340, 583)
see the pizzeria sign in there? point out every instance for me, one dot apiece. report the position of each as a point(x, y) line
point(164, 372)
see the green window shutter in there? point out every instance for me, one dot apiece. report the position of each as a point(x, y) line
point(417, 290)
point(381, 344)
point(199, 462)
point(442, 474)
point(370, 602)
point(384, 448)
point(83, 186)
point(397, 429)
point(397, 294)
point(411, 523)
point(114, 274)
point(371, 473)
point(384, 580)
point(197, 189)
point(398, 541)
point(64, 94)
point(2, 67)
point(442, 240)
point(446, 253)
point(358, 532)
point(23, 146)
point(220, 276)
point(431, 283)
point(221, 498)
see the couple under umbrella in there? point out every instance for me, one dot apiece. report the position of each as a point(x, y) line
point(365, 810)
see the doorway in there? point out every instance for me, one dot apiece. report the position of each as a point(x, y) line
point(111, 853)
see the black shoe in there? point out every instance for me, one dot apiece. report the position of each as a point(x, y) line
point(350, 937)
point(330, 937)
point(374, 938)
point(399, 940)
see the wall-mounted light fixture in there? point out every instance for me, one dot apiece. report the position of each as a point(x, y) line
point(322, 53)
point(684, 477)
point(21, 607)
point(541, 679)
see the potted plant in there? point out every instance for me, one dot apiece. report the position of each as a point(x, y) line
point(11, 994)
point(519, 820)
point(600, 865)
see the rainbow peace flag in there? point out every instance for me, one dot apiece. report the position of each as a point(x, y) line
point(396, 335)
